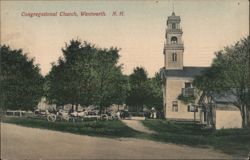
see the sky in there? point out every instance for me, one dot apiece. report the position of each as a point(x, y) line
point(208, 26)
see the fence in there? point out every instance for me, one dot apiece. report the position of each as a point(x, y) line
point(18, 113)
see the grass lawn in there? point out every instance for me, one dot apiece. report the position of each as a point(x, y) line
point(231, 141)
point(91, 128)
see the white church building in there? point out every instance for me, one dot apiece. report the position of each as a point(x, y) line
point(177, 82)
point(177, 79)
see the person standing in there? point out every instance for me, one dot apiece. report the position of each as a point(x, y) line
point(118, 114)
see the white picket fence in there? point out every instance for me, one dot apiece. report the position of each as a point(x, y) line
point(18, 113)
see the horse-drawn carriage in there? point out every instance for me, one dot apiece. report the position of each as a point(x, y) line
point(69, 116)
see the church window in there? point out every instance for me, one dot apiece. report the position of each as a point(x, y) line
point(175, 106)
point(173, 40)
point(173, 26)
point(174, 57)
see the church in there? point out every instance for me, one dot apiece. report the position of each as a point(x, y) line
point(177, 86)
point(177, 79)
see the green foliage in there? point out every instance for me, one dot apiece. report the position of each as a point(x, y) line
point(155, 98)
point(186, 99)
point(229, 70)
point(21, 83)
point(229, 73)
point(139, 89)
point(144, 91)
point(86, 75)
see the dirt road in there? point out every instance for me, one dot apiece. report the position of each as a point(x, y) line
point(29, 143)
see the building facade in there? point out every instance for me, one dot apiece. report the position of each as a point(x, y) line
point(177, 79)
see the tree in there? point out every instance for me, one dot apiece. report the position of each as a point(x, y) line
point(139, 89)
point(155, 96)
point(209, 84)
point(229, 73)
point(111, 84)
point(21, 82)
point(86, 75)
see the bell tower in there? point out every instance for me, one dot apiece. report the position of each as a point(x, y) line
point(173, 47)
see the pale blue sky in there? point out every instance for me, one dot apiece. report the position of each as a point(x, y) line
point(208, 26)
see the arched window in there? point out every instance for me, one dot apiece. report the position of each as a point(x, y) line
point(174, 57)
point(173, 26)
point(173, 40)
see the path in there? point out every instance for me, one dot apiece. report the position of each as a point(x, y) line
point(30, 143)
point(138, 126)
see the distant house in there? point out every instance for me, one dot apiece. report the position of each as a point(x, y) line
point(220, 112)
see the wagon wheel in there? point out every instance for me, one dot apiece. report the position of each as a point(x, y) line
point(51, 118)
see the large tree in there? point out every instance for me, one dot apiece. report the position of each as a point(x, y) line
point(229, 74)
point(111, 84)
point(21, 82)
point(209, 84)
point(86, 75)
point(139, 91)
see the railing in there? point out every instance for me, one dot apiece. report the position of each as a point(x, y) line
point(187, 92)
point(174, 46)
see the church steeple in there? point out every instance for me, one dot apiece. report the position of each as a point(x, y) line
point(173, 48)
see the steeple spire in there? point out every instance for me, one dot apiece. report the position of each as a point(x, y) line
point(173, 7)
point(173, 14)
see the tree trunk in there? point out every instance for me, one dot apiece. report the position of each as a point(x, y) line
point(248, 117)
point(245, 117)
point(210, 115)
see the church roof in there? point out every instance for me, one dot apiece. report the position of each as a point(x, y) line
point(186, 72)
point(223, 100)
point(225, 97)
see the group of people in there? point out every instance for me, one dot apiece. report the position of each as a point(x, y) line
point(153, 114)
